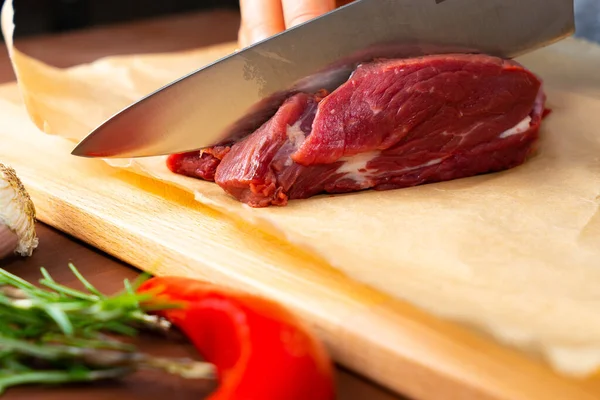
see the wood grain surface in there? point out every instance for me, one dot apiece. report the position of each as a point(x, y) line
point(388, 341)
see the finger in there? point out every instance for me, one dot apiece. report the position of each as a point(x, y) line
point(242, 38)
point(260, 20)
point(296, 12)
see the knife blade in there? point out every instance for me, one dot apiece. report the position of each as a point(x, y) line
point(231, 97)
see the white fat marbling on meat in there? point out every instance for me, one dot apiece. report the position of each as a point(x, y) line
point(521, 127)
point(375, 110)
point(295, 134)
point(427, 164)
point(355, 167)
point(473, 128)
point(296, 137)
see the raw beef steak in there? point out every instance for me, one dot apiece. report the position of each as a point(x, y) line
point(393, 124)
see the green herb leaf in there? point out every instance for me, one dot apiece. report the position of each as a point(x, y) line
point(85, 283)
point(61, 319)
point(56, 334)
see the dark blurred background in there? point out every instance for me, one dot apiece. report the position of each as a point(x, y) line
point(53, 16)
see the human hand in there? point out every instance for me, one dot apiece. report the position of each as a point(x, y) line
point(264, 18)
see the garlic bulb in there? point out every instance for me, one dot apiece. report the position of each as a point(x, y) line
point(17, 216)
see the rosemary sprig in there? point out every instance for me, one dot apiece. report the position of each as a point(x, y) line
point(57, 334)
point(69, 375)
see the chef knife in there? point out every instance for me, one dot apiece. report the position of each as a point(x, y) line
point(234, 95)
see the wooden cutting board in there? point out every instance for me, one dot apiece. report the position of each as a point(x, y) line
point(163, 230)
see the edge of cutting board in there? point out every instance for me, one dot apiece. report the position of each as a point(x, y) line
point(162, 230)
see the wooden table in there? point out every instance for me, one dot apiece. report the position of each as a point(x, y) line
point(56, 250)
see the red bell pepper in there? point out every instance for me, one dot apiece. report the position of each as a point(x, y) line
point(260, 349)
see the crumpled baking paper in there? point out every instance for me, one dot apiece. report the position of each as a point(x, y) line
point(515, 254)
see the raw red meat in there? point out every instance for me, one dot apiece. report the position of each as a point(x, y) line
point(393, 124)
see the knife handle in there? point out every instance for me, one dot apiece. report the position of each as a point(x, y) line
point(339, 3)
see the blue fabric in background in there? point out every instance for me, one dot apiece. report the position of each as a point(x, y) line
point(587, 19)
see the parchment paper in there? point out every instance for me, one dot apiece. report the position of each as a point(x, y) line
point(516, 254)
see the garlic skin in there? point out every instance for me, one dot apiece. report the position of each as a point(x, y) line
point(17, 213)
point(8, 241)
